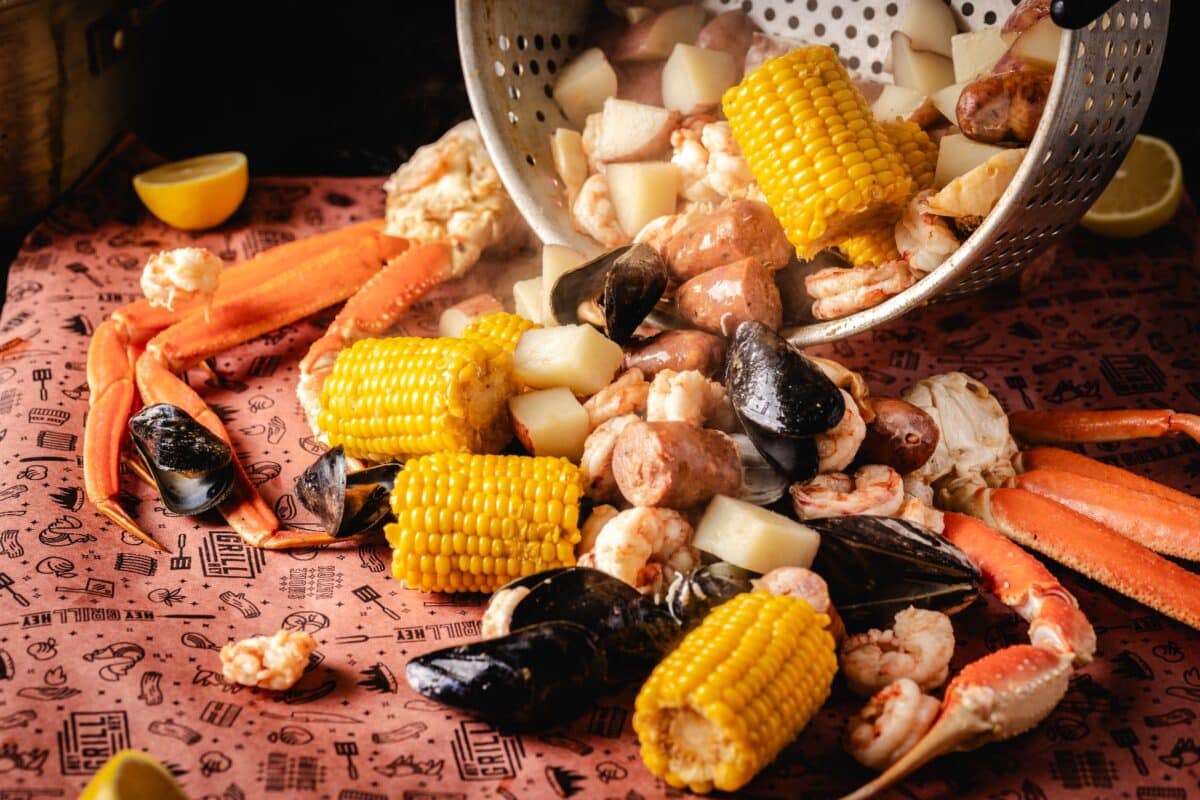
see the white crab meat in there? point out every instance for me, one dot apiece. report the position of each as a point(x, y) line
point(180, 275)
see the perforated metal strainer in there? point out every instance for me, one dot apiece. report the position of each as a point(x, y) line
point(512, 49)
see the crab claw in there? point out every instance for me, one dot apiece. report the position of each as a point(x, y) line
point(997, 697)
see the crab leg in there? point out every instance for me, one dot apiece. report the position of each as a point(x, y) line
point(997, 697)
point(1053, 458)
point(1090, 548)
point(1066, 427)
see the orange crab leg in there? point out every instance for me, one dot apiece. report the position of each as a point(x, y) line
point(1054, 458)
point(1093, 549)
point(1154, 522)
point(1065, 427)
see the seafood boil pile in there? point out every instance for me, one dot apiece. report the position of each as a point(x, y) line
point(704, 511)
point(679, 122)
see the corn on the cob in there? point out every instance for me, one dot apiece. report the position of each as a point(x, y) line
point(734, 693)
point(825, 165)
point(876, 246)
point(503, 328)
point(389, 399)
point(472, 523)
point(916, 149)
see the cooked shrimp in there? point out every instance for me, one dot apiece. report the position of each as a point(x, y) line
point(711, 167)
point(887, 727)
point(874, 489)
point(918, 647)
point(594, 214)
point(685, 396)
point(913, 510)
point(838, 291)
point(588, 139)
point(837, 447)
point(180, 274)
point(497, 617)
point(601, 515)
point(923, 238)
point(597, 458)
point(626, 395)
point(645, 547)
point(806, 585)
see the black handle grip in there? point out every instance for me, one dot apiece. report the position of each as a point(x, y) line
point(1078, 13)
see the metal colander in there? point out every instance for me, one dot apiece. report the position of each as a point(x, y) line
point(512, 50)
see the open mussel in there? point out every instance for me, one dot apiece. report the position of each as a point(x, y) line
point(577, 633)
point(623, 285)
point(191, 466)
point(878, 566)
point(781, 399)
point(347, 503)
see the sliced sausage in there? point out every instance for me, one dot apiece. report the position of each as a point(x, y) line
point(1004, 106)
point(745, 228)
point(901, 436)
point(680, 351)
point(719, 300)
point(675, 464)
point(1025, 14)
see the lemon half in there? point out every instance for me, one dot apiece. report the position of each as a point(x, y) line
point(1144, 194)
point(195, 193)
point(133, 775)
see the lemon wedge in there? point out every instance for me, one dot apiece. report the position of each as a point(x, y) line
point(195, 193)
point(1143, 195)
point(133, 775)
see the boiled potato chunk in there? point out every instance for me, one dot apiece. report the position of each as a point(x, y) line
point(550, 422)
point(456, 318)
point(632, 131)
point(556, 261)
point(694, 78)
point(578, 357)
point(930, 25)
point(919, 70)
point(570, 161)
point(977, 52)
point(946, 100)
point(584, 84)
point(896, 101)
point(959, 155)
point(1038, 44)
point(754, 538)
point(641, 191)
point(527, 299)
point(653, 38)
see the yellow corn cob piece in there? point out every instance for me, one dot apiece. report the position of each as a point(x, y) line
point(503, 328)
point(828, 170)
point(876, 246)
point(472, 523)
point(916, 149)
point(388, 399)
point(735, 692)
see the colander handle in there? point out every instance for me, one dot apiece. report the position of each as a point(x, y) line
point(1078, 13)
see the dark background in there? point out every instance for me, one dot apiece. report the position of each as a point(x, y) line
point(353, 88)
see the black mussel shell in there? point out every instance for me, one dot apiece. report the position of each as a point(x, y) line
point(626, 282)
point(535, 677)
point(693, 596)
point(347, 503)
point(878, 566)
point(529, 581)
point(796, 458)
point(774, 387)
point(634, 631)
point(192, 467)
point(762, 480)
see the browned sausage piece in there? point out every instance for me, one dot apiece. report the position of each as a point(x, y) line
point(719, 300)
point(745, 228)
point(902, 436)
point(675, 464)
point(1025, 14)
point(1007, 106)
point(680, 351)
point(730, 32)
